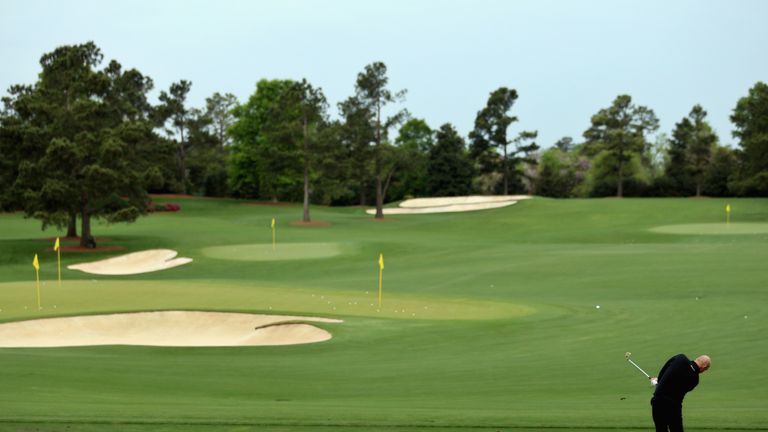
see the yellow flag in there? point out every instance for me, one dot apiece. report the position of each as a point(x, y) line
point(36, 263)
point(273, 223)
point(381, 261)
point(56, 246)
point(728, 208)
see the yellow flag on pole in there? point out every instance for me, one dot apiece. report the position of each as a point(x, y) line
point(273, 223)
point(57, 248)
point(727, 213)
point(36, 265)
point(381, 274)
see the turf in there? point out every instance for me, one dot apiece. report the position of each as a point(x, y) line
point(489, 320)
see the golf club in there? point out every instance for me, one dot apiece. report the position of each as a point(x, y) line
point(627, 355)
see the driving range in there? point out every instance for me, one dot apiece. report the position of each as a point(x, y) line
point(508, 319)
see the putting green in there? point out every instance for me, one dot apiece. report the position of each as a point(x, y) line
point(713, 229)
point(281, 252)
point(136, 296)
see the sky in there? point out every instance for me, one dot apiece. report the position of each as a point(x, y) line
point(567, 59)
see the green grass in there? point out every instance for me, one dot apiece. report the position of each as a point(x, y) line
point(489, 320)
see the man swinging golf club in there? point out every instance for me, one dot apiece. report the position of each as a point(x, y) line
point(678, 376)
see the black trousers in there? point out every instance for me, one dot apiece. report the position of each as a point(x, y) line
point(667, 415)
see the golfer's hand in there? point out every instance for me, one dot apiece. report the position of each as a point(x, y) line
point(654, 381)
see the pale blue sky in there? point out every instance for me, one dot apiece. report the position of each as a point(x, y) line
point(567, 59)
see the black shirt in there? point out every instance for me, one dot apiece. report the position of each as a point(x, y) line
point(678, 376)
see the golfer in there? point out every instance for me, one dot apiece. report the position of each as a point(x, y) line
point(678, 376)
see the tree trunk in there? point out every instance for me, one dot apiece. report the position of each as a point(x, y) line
point(72, 224)
point(620, 191)
point(379, 196)
point(86, 240)
point(506, 172)
point(183, 162)
point(306, 174)
point(379, 199)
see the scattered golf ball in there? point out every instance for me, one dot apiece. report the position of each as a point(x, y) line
point(597, 307)
point(745, 317)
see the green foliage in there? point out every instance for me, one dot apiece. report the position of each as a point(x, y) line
point(373, 95)
point(719, 172)
point(266, 159)
point(603, 175)
point(490, 136)
point(750, 117)
point(82, 140)
point(449, 169)
point(620, 130)
point(558, 174)
point(414, 142)
point(173, 108)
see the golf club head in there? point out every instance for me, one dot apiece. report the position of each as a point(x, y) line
point(627, 354)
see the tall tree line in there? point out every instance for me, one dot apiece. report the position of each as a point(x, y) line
point(84, 141)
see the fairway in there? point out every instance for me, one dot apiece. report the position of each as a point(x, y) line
point(489, 320)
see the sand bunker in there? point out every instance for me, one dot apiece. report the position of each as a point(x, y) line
point(134, 263)
point(171, 328)
point(713, 229)
point(452, 204)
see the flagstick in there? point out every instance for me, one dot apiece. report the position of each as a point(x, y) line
point(58, 255)
point(37, 276)
point(381, 272)
point(273, 235)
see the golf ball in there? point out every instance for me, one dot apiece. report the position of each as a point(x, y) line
point(597, 307)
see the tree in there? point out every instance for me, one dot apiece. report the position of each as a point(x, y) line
point(720, 172)
point(565, 144)
point(414, 140)
point(85, 137)
point(620, 130)
point(219, 112)
point(356, 134)
point(266, 160)
point(490, 135)
point(558, 174)
point(750, 117)
point(174, 108)
point(449, 168)
point(371, 90)
point(656, 154)
point(312, 107)
point(699, 149)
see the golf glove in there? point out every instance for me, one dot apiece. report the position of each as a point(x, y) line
point(654, 381)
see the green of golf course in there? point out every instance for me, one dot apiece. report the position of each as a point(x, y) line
point(511, 319)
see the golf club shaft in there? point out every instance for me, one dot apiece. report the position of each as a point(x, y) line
point(638, 368)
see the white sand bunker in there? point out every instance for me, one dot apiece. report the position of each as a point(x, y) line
point(452, 204)
point(171, 328)
point(134, 263)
